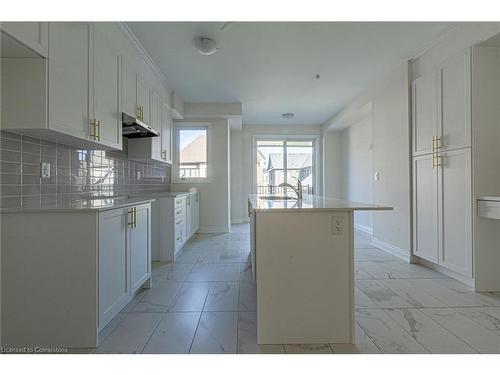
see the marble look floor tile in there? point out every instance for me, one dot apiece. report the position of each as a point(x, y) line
point(428, 333)
point(381, 295)
point(247, 336)
point(481, 339)
point(308, 349)
point(378, 270)
point(172, 272)
point(450, 297)
point(223, 296)
point(131, 335)
point(488, 317)
point(190, 298)
point(246, 272)
point(174, 334)
point(414, 296)
point(487, 299)
point(137, 298)
point(201, 272)
point(386, 334)
point(158, 298)
point(363, 344)
point(248, 297)
point(362, 300)
point(188, 256)
point(216, 333)
point(240, 228)
point(413, 271)
point(110, 327)
point(230, 256)
point(226, 272)
point(210, 256)
point(361, 274)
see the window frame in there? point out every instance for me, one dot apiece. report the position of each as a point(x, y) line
point(317, 166)
point(175, 179)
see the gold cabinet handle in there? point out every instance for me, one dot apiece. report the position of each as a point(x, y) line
point(135, 217)
point(98, 125)
point(93, 129)
point(438, 143)
point(130, 211)
point(434, 143)
point(438, 161)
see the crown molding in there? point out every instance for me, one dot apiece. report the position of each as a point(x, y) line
point(434, 42)
point(142, 51)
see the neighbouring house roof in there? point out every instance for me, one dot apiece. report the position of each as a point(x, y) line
point(294, 161)
point(196, 151)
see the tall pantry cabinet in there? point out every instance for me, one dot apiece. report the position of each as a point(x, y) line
point(443, 152)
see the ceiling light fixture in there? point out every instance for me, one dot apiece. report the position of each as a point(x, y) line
point(287, 115)
point(205, 45)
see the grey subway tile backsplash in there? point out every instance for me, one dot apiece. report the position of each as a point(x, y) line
point(75, 173)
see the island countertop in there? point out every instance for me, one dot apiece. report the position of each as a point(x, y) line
point(310, 203)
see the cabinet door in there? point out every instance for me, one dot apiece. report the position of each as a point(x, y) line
point(166, 133)
point(105, 95)
point(69, 78)
point(425, 208)
point(129, 88)
point(455, 208)
point(454, 102)
point(424, 103)
point(140, 247)
point(34, 35)
point(144, 98)
point(114, 287)
point(252, 243)
point(195, 217)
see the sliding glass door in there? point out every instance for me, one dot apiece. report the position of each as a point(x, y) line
point(282, 160)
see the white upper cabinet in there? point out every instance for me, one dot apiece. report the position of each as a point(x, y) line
point(424, 112)
point(68, 85)
point(166, 133)
point(144, 99)
point(454, 102)
point(106, 90)
point(129, 88)
point(34, 35)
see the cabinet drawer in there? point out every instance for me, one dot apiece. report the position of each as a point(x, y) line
point(179, 213)
point(178, 238)
point(179, 203)
point(179, 223)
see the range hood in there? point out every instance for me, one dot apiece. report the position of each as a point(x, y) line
point(135, 128)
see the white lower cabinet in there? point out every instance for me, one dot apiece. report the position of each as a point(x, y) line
point(175, 219)
point(75, 270)
point(442, 209)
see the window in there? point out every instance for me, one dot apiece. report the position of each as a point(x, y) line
point(191, 152)
point(280, 161)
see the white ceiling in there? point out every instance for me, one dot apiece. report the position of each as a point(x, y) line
point(270, 67)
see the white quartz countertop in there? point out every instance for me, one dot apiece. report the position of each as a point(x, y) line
point(310, 203)
point(82, 205)
point(166, 194)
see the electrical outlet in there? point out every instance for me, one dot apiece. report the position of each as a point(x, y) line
point(337, 225)
point(376, 176)
point(44, 170)
point(138, 175)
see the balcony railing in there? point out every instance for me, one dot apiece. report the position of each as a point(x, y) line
point(281, 190)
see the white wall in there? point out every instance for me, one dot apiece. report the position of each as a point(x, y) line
point(333, 167)
point(238, 214)
point(215, 194)
point(357, 168)
point(245, 139)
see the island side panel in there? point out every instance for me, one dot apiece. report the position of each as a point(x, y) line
point(49, 279)
point(304, 277)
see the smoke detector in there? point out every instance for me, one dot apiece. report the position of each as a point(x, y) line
point(287, 115)
point(205, 45)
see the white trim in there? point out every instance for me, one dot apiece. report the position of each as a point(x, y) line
point(364, 228)
point(175, 166)
point(141, 50)
point(391, 249)
point(317, 156)
point(434, 41)
point(213, 229)
point(239, 221)
point(445, 271)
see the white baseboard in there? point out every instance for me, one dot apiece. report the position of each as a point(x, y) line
point(213, 229)
point(445, 271)
point(391, 249)
point(364, 228)
point(239, 221)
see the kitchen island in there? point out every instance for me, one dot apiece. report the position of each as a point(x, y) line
point(303, 264)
